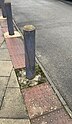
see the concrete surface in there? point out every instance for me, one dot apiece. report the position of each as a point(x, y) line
point(3, 45)
point(4, 54)
point(3, 84)
point(13, 80)
point(14, 121)
point(7, 68)
point(13, 105)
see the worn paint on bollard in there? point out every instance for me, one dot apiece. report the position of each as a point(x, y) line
point(29, 42)
point(9, 17)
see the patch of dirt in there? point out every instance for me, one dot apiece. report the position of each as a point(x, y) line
point(25, 83)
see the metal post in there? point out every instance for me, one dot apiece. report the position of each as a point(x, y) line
point(9, 17)
point(3, 8)
point(29, 42)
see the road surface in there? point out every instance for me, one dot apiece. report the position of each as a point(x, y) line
point(53, 22)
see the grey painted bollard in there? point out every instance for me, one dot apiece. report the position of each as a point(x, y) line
point(29, 42)
point(3, 8)
point(9, 16)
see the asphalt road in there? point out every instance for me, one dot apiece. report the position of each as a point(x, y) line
point(53, 22)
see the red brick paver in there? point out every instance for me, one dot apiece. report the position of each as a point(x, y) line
point(15, 46)
point(18, 61)
point(56, 117)
point(3, 23)
point(16, 51)
point(5, 29)
point(40, 100)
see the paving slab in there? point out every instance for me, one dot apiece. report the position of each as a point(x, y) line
point(15, 46)
point(14, 121)
point(13, 80)
point(5, 68)
point(16, 35)
point(1, 33)
point(1, 39)
point(56, 117)
point(16, 51)
point(3, 45)
point(40, 100)
point(4, 54)
point(1, 36)
point(18, 61)
point(3, 23)
point(3, 84)
point(13, 105)
point(5, 29)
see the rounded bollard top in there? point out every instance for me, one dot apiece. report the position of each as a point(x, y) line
point(7, 1)
point(29, 28)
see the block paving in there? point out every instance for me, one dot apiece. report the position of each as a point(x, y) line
point(15, 46)
point(57, 117)
point(5, 29)
point(3, 23)
point(17, 53)
point(12, 107)
point(18, 61)
point(40, 100)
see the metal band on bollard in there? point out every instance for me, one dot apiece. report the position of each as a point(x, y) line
point(3, 8)
point(9, 16)
point(29, 42)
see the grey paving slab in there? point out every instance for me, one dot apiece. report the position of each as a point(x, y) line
point(13, 105)
point(3, 84)
point(13, 80)
point(1, 36)
point(3, 45)
point(1, 39)
point(5, 68)
point(14, 121)
point(4, 54)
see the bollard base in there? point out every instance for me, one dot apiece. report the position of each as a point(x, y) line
point(16, 34)
point(2, 18)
